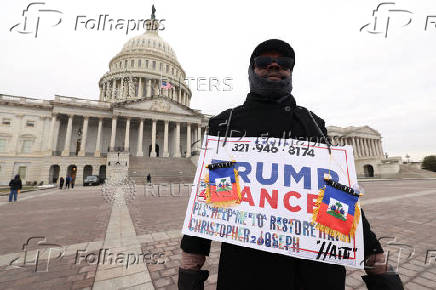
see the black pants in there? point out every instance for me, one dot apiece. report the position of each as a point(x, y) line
point(246, 268)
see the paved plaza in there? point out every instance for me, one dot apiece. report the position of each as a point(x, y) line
point(73, 231)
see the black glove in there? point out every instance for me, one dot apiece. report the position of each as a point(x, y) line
point(386, 281)
point(192, 279)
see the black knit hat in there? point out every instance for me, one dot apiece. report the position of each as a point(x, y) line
point(272, 45)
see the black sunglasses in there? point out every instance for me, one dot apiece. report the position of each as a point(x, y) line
point(283, 61)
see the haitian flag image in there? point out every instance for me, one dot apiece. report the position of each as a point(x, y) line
point(337, 212)
point(223, 188)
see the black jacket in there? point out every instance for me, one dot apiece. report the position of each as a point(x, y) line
point(246, 268)
point(15, 184)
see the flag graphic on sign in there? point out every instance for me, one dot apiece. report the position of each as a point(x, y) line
point(223, 186)
point(337, 209)
point(337, 212)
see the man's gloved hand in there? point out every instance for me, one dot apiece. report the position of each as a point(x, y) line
point(376, 264)
point(192, 279)
point(190, 275)
point(381, 276)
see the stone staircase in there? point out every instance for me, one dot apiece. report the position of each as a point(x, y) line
point(409, 171)
point(162, 170)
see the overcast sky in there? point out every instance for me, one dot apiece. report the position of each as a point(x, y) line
point(347, 76)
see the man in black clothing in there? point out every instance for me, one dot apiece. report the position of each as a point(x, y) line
point(67, 182)
point(269, 110)
point(61, 182)
point(15, 186)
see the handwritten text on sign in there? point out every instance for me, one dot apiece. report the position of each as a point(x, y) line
point(279, 181)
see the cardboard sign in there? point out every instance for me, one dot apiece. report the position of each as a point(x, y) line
point(279, 182)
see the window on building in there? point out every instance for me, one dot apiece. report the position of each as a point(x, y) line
point(139, 63)
point(125, 63)
point(27, 146)
point(3, 143)
point(160, 66)
point(132, 63)
point(154, 64)
point(30, 123)
point(146, 63)
point(6, 121)
point(168, 68)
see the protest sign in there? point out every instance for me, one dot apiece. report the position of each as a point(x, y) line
point(276, 185)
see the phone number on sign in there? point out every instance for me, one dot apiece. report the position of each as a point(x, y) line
point(269, 148)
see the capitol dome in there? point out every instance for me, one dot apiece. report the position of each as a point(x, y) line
point(146, 67)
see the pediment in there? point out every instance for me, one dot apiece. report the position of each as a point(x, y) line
point(368, 130)
point(352, 131)
point(158, 105)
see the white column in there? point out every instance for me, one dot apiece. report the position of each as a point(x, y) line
point(148, 89)
point(104, 90)
point(153, 138)
point(66, 151)
point(51, 134)
point(365, 142)
point(114, 88)
point(140, 88)
point(97, 152)
point(82, 151)
point(377, 146)
point(177, 141)
point(114, 133)
point(353, 143)
point(121, 89)
point(165, 152)
point(179, 97)
point(361, 147)
point(195, 138)
point(130, 88)
point(198, 137)
point(127, 136)
point(140, 137)
point(380, 149)
point(188, 140)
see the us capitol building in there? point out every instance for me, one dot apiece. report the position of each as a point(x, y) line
point(136, 125)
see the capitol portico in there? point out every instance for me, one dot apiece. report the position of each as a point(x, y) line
point(369, 157)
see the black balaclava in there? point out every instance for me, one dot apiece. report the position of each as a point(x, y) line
point(273, 90)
